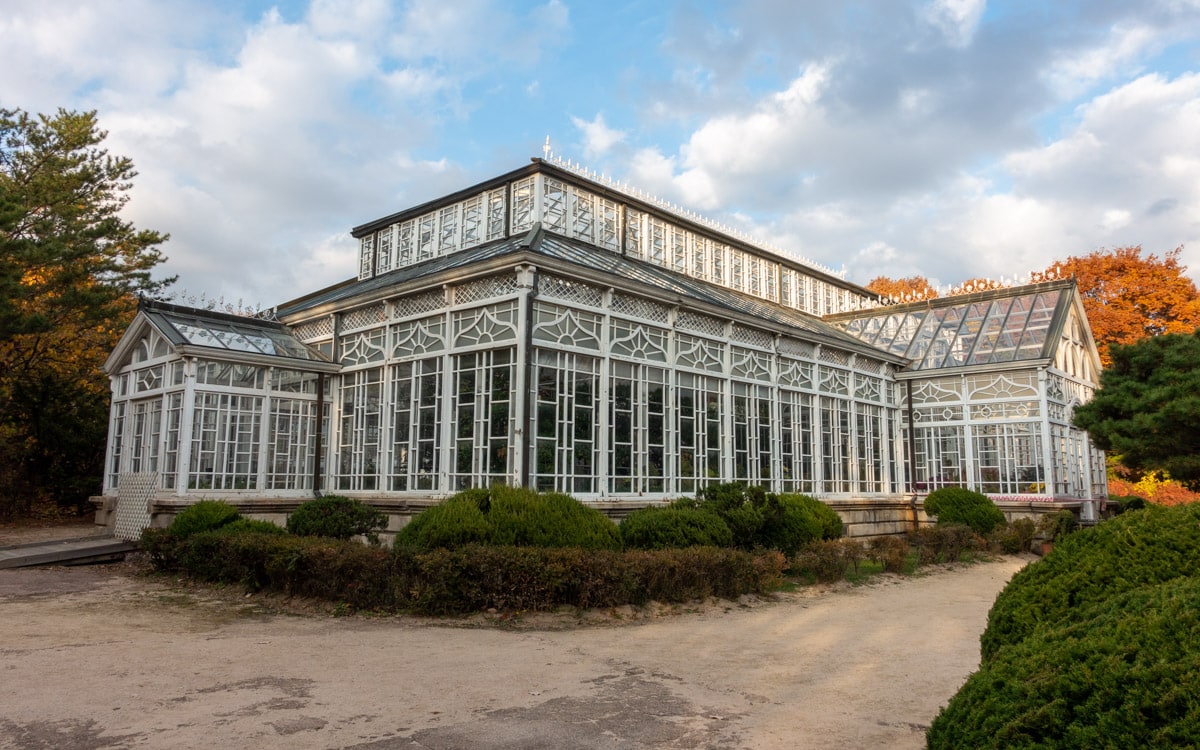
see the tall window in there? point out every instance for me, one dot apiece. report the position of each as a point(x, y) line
point(699, 408)
point(566, 424)
point(416, 435)
point(483, 418)
point(796, 444)
point(835, 445)
point(638, 434)
point(361, 433)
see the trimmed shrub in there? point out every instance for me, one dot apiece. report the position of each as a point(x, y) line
point(336, 517)
point(891, 552)
point(1122, 674)
point(452, 523)
point(522, 517)
point(958, 505)
point(944, 543)
point(828, 560)
point(1124, 503)
point(466, 579)
point(1015, 537)
point(510, 516)
point(759, 520)
point(205, 515)
point(674, 527)
point(252, 526)
point(1054, 526)
point(1149, 547)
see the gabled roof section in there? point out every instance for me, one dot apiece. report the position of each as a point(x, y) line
point(219, 335)
point(985, 328)
point(572, 256)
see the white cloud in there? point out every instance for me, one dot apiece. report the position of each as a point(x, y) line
point(598, 138)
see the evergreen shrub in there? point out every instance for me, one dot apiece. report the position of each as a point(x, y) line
point(1121, 673)
point(1124, 503)
point(336, 517)
point(674, 527)
point(510, 516)
point(252, 526)
point(1132, 550)
point(205, 515)
point(757, 519)
point(958, 505)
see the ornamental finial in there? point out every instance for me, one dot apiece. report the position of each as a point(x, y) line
point(546, 149)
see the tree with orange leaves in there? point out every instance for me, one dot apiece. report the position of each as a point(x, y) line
point(1129, 297)
point(917, 287)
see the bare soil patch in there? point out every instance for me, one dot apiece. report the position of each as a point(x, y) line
point(105, 657)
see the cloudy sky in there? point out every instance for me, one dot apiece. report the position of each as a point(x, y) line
point(949, 138)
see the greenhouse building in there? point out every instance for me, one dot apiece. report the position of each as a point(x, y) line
point(550, 329)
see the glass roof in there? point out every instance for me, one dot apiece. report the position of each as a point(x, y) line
point(237, 336)
point(975, 332)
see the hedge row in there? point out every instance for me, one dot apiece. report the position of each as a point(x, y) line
point(1096, 645)
point(466, 579)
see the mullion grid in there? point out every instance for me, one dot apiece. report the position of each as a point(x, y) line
point(225, 442)
point(698, 430)
point(796, 441)
point(638, 429)
point(416, 394)
point(565, 425)
point(293, 445)
point(361, 432)
point(483, 418)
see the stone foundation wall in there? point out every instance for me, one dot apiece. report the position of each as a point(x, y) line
point(863, 517)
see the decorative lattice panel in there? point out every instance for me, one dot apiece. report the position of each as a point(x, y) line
point(795, 348)
point(364, 317)
point(637, 307)
point(314, 329)
point(752, 336)
point(700, 323)
point(135, 492)
point(834, 356)
point(419, 304)
point(493, 286)
point(572, 291)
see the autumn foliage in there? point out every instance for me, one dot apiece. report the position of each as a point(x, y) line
point(914, 286)
point(1129, 296)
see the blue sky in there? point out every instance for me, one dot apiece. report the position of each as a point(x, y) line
point(948, 138)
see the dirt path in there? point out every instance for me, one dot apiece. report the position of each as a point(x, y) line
point(97, 658)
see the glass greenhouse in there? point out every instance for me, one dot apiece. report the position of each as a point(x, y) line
point(549, 329)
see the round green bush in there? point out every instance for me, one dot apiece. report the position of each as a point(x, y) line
point(792, 521)
point(511, 516)
point(1122, 674)
point(674, 527)
point(205, 515)
point(524, 518)
point(336, 517)
point(958, 505)
point(1148, 547)
point(453, 523)
point(760, 520)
